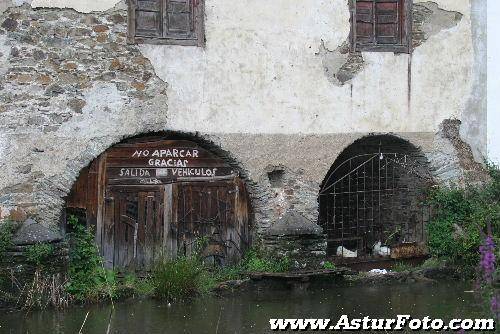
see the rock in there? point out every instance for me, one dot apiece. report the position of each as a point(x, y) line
point(17, 215)
point(77, 105)
point(9, 24)
point(39, 55)
point(116, 18)
point(44, 79)
point(101, 38)
point(138, 85)
point(293, 223)
point(54, 90)
point(458, 232)
point(32, 232)
point(101, 28)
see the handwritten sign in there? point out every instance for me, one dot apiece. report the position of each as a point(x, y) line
point(163, 162)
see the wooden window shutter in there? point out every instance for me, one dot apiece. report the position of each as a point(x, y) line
point(387, 27)
point(365, 22)
point(146, 18)
point(166, 22)
point(381, 25)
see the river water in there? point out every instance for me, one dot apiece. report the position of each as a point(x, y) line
point(249, 312)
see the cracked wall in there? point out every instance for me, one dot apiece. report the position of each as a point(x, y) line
point(429, 20)
point(341, 65)
point(70, 87)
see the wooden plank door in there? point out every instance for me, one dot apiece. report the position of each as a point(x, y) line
point(132, 236)
point(209, 212)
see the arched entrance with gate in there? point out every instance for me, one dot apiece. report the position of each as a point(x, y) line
point(372, 201)
point(161, 196)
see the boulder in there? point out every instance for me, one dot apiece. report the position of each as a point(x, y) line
point(30, 232)
point(293, 223)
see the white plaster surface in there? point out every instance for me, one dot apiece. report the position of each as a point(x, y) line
point(260, 73)
point(493, 81)
point(84, 6)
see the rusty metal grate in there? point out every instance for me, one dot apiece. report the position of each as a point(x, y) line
point(374, 197)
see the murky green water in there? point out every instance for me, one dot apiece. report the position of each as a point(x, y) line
point(249, 312)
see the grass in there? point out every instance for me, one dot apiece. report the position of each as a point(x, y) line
point(402, 267)
point(177, 279)
point(87, 281)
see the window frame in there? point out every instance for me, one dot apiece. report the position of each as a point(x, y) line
point(407, 24)
point(199, 24)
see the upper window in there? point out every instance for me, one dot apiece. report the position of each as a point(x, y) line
point(166, 22)
point(381, 25)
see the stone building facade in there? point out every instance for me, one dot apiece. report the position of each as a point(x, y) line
point(275, 89)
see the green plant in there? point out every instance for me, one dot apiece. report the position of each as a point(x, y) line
point(256, 260)
point(6, 233)
point(39, 254)
point(401, 267)
point(140, 286)
point(328, 265)
point(177, 279)
point(454, 232)
point(433, 262)
point(88, 280)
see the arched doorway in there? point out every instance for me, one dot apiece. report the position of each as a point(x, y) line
point(158, 196)
point(372, 201)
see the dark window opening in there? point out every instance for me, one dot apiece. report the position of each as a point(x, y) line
point(276, 178)
point(381, 25)
point(177, 22)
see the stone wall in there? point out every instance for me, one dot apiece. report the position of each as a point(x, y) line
point(70, 87)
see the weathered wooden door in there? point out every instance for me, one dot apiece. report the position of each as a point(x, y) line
point(210, 215)
point(132, 232)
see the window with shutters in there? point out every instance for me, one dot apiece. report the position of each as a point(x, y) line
point(166, 22)
point(381, 25)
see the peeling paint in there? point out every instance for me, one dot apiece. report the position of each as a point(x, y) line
point(262, 89)
point(429, 19)
point(340, 65)
point(474, 172)
point(83, 6)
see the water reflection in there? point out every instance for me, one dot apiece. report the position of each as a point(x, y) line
point(249, 312)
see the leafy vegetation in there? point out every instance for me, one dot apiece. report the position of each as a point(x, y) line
point(39, 254)
point(328, 265)
point(88, 280)
point(6, 234)
point(257, 260)
point(461, 217)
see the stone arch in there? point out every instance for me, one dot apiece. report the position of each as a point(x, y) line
point(201, 193)
point(373, 193)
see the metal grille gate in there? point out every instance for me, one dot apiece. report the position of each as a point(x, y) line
point(374, 197)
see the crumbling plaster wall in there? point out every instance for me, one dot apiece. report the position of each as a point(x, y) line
point(71, 88)
point(272, 53)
